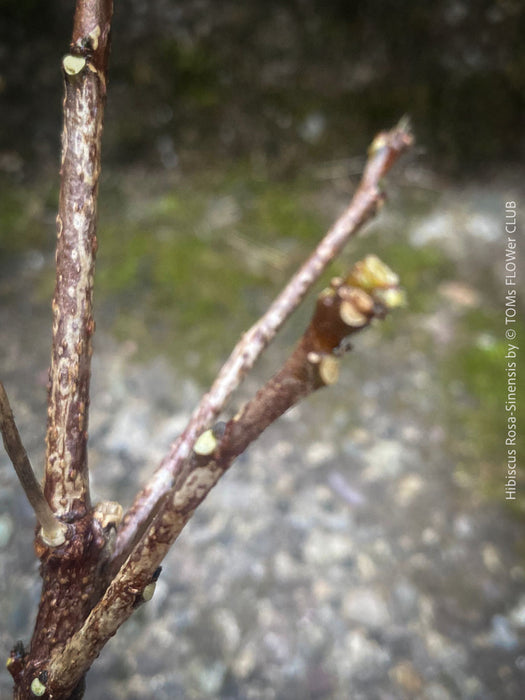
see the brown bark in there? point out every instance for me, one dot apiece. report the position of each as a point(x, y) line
point(90, 587)
point(341, 310)
point(71, 572)
point(66, 479)
point(383, 153)
point(53, 531)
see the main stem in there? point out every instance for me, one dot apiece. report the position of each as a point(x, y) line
point(66, 479)
point(71, 581)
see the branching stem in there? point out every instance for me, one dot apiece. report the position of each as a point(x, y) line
point(53, 531)
point(384, 151)
point(344, 308)
point(90, 587)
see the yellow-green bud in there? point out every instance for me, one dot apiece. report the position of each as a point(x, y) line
point(391, 298)
point(351, 316)
point(149, 590)
point(205, 444)
point(73, 64)
point(37, 687)
point(371, 273)
point(329, 369)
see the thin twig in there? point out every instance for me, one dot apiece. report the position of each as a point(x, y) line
point(53, 531)
point(384, 151)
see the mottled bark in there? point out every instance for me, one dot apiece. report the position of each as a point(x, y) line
point(346, 307)
point(97, 571)
point(66, 478)
point(71, 581)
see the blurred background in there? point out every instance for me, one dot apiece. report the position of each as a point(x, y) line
point(363, 548)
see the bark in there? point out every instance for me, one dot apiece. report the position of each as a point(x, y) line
point(343, 309)
point(383, 153)
point(53, 531)
point(66, 478)
point(98, 571)
point(70, 572)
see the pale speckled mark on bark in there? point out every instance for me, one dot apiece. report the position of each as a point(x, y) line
point(71, 572)
point(73, 325)
point(197, 484)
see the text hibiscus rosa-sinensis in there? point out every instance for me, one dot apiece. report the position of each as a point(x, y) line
point(512, 348)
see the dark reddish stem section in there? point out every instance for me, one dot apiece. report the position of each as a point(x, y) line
point(71, 571)
point(66, 481)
